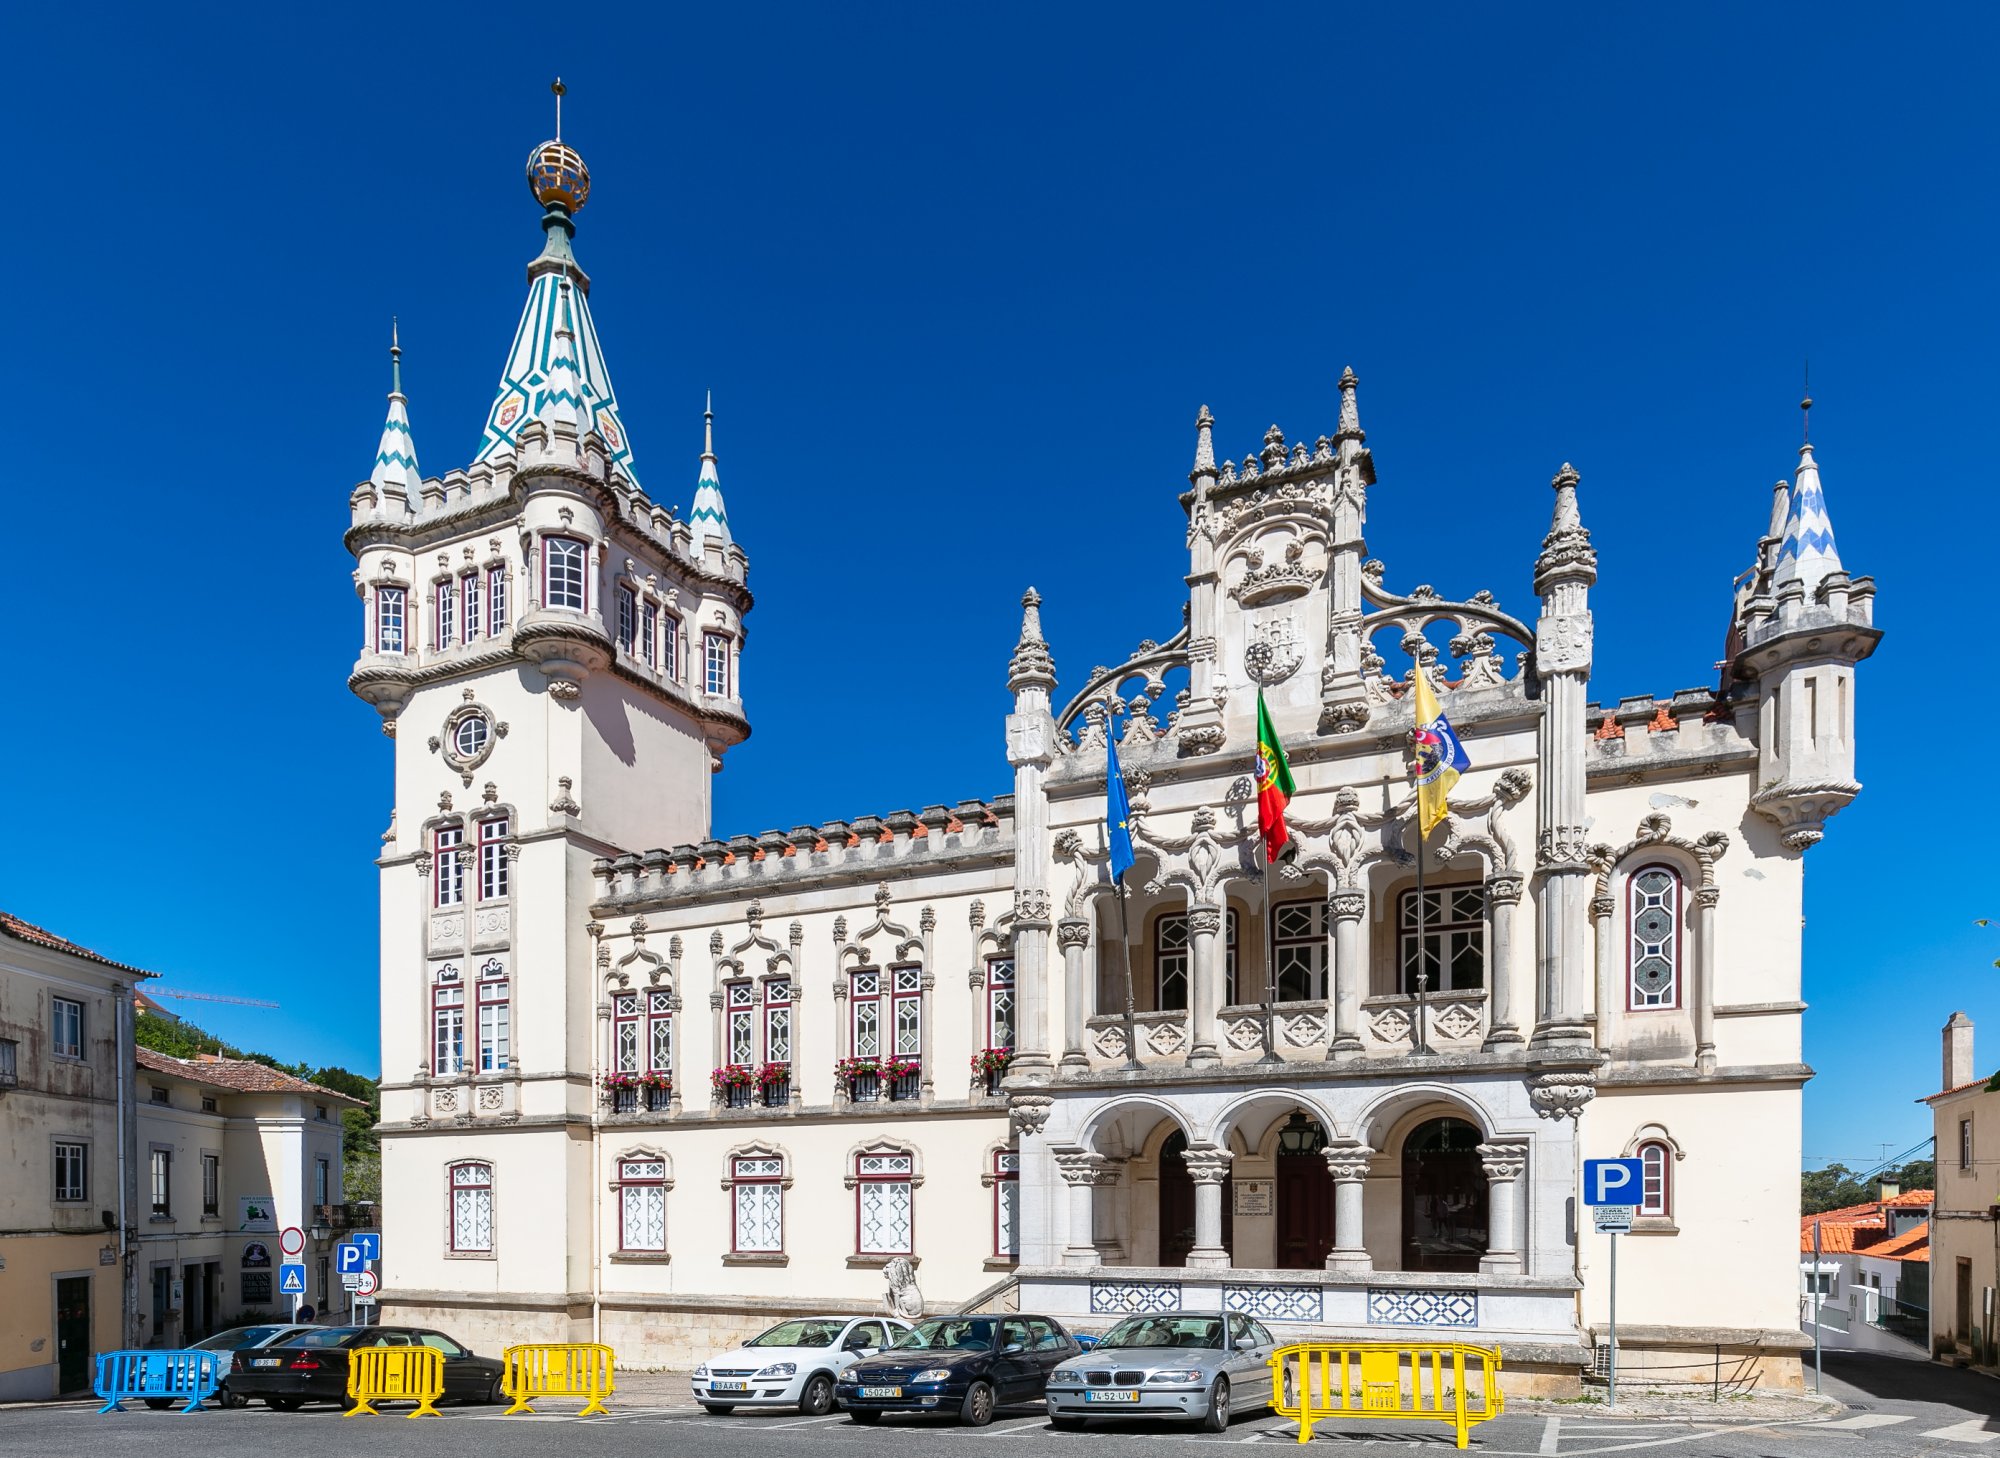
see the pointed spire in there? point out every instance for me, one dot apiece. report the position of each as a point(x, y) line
point(708, 517)
point(1204, 443)
point(1566, 551)
point(1032, 666)
point(396, 456)
point(1806, 553)
point(1350, 411)
point(560, 400)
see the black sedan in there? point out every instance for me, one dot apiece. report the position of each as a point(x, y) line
point(964, 1365)
point(237, 1341)
point(312, 1367)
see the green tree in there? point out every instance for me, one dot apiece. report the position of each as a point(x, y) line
point(1832, 1188)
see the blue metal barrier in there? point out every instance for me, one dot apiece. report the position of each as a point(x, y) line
point(186, 1376)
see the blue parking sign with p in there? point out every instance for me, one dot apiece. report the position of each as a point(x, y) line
point(1613, 1181)
point(349, 1258)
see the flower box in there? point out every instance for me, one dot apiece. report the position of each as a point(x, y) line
point(624, 1100)
point(903, 1077)
point(737, 1096)
point(862, 1077)
point(733, 1084)
point(990, 1066)
point(659, 1096)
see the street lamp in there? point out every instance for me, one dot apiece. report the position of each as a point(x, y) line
point(1301, 1135)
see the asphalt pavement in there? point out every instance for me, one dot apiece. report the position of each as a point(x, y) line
point(1894, 1408)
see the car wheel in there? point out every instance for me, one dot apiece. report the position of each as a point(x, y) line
point(817, 1399)
point(1064, 1424)
point(1216, 1419)
point(159, 1404)
point(977, 1409)
point(863, 1416)
point(283, 1404)
point(719, 1409)
point(1291, 1389)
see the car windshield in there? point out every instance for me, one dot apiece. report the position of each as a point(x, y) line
point(799, 1334)
point(332, 1336)
point(1166, 1331)
point(239, 1336)
point(974, 1332)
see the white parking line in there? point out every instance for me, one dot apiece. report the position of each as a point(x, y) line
point(1551, 1434)
point(840, 1417)
point(1972, 1430)
point(1863, 1420)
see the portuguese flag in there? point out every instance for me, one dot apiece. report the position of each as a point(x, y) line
point(1274, 784)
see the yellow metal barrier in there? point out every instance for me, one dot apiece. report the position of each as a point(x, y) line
point(1421, 1381)
point(558, 1369)
point(379, 1374)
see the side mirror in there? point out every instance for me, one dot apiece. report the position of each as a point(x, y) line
point(1011, 1348)
point(1246, 1344)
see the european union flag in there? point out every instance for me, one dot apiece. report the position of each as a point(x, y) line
point(1117, 812)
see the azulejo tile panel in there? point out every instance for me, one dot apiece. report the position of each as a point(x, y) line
point(1134, 1298)
point(1390, 1307)
point(1277, 1303)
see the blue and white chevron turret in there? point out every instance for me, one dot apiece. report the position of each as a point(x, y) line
point(1806, 552)
point(708, 517)
point(396, 457)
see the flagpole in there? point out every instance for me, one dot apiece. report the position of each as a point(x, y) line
point(1270, 951)
point(1131, 1013)
point(1421, 1043)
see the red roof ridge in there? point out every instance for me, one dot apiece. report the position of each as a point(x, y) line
point(238, 1075)
point(27, 931)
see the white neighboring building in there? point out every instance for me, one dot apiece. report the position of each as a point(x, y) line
point(230, 1153)
point(1868, 1288)
point(576, 971)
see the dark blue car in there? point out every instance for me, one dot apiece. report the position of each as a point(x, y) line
point(965, 1366)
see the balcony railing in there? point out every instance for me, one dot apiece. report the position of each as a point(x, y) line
point(357, 1216)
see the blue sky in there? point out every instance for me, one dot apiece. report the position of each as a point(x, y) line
point(959, 280)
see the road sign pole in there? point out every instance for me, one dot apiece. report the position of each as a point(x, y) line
point(1614, 1318)
point(1816, 1309)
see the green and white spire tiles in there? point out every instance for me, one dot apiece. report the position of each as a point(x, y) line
point(396, 457)
point(708, 517)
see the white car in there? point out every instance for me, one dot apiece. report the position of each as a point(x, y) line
point(794, 1364)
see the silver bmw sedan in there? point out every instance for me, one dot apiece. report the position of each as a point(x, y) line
point(1199, 1365)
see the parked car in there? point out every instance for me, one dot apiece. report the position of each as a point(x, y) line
point(964, 1365)
point(1201, 1365)
point(794, 1364)
point(236, 1339)
point(312, 1366)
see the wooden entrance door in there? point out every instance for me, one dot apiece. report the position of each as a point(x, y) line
point(72, 1333)
point(1964, 1331)
point(1305, 1212)
point(1177, 1204)
point(1444, 1197)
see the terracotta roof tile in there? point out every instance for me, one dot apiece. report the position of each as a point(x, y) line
point(1911, 1245)
point(239, 1075)
point(27, 931)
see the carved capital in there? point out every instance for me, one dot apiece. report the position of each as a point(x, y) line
point(1601, 907)
point(1505, 889)
point(1081, 1168)
point(1563, 1095)
point(1029, 1113)
point(1208, 1165)
point(1204, 921)
point(1503, 1161)
point(1072, 932)
point(1706, 897)
point(1347, 905)
point(1347, 1162)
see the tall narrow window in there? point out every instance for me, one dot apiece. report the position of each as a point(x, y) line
point(496, 597)
point(625, 1033)
point(670, 647)
point(1653, 917)
point(649, 630)
point(495, 1021)
point(468, 588)
point(884, 1203)
point(471, 1208)
point(1007, 1205)
point(906, 1012)
point(777, 1020)
point(642, 1204)
point(1298, 950)
point(563, 576)
point(628, 620)
point(447, 1023)
point(448, 872)
point(864, 1002)
point(660, 1032)
point(322, 1181)
point(66, 1027)
point(1965, 1144)
point(492, 859)
point(758, 1194)
point(447, 617)
point(1173, 962)
point(211, 1185)
point(72, 1181)
point(389, 605)
point(715, 660)
point(1656, 1192)
point(163, 1184)
point(742, 1027)
point(1000, 1002)
point(10, 1069)
point(1453, 939)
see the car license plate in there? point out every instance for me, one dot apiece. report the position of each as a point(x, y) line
point(881, 1392)
point(1110, 1397)
point(267, 1361)
point(730, 1386)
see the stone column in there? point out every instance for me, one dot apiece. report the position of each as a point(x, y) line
point(1209, 1167)
point(1205, 991)
point(1345, 910)
point(1347, 1162)
point(1503, 899)
point(1608, 999)
point(1073, 936)
point(1504, 1162)
point(1705, 960)
point(1031, 735)
point(1104, 1210)
point(1082, 1171)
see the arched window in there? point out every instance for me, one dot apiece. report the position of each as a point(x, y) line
point(471, 1192)
point(447, 1022)
point(884, 1201)
point(1656, 1187)
point(642, 1203)
point(757, 1194)
point(1653, 921)
point(1173, 962)
point(563, 574)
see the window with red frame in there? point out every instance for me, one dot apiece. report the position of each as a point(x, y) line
point(390, 603)
point(757, 1194)
point(741, 1030)
point(777, 1020)
point(1000, 1002)
point(625, 1033)
point(1656, 1183)
point(1653, 921)
point(1007, 1205)
point(495, 1019)
point(563, 574)
point(864, 1004)
point(906, 1012)
point(885, 1202)
point(447, 870)
point(447, 1022)
point(496, 597)
point(471, 1208)
point(447, 596)
point(660, 1032)
point(492, 859)
point(468, 590)
point(642, 1204)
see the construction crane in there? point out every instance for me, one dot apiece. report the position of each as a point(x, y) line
point(205, 997)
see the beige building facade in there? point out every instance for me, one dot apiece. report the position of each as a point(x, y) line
point(649, 1084)
point(68, 1195)
point(1965, 1254)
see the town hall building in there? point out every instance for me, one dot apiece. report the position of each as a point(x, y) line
point(656, 1084)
